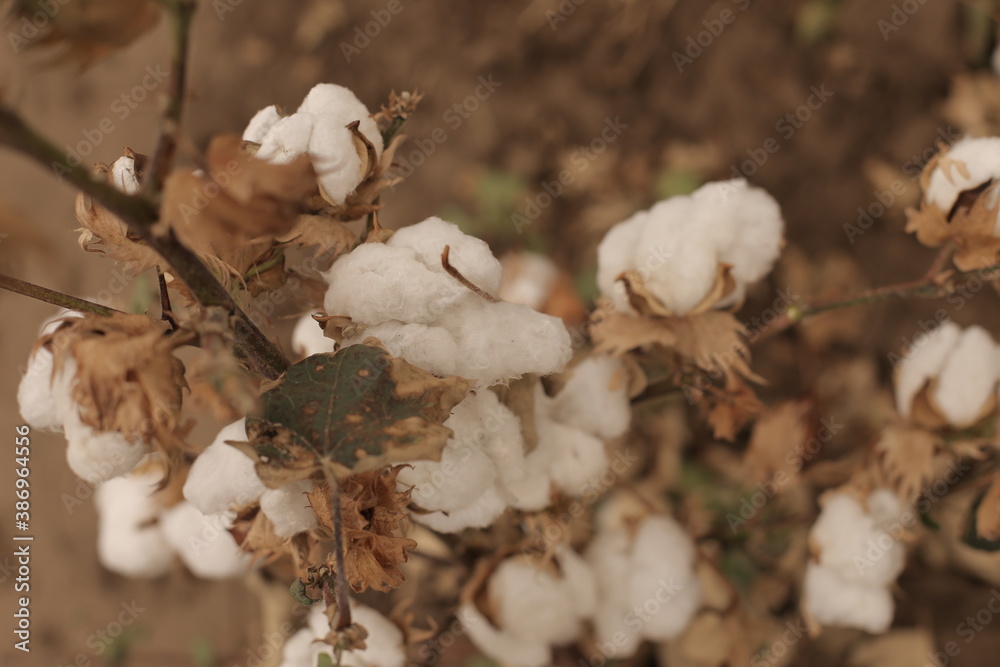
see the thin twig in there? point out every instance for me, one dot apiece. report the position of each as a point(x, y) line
point(181, 13)
point(457, 275)
point(343, 599)
point(141, 214)
point(927, 287)
point(55, 298)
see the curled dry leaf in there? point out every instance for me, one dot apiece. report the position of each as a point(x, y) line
point(127, 378)
point(778, 442)
point(328, 238)
point(84, 31)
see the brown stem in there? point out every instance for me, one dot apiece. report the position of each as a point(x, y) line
point(181, 12)
point(140, 214)
point(457, 275)
point(343, 599)
point(55, 298)
point(166, 312)
point(927, 287)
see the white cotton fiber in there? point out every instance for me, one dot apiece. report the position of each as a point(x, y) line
point(385, 643)
point(375, 283)
point(334, 153)
point(288, 508)
point(123, 175)
point(343, 107)
point(223, 478)
point(308, 338)
point(287, 139)
point(203, 542)
point(832, 601)
point(595, 398)
point(922, 362)
point(129, 540)
point(966, 382)
point(968, 164)
point(577, 457)
point(499, 644)
point(35, 400)
point(261, 123)
point(457, 480)
point(533, 492)
point(427, 347)
point(472, 257)
point(616, 255)
point(651, 567)
point(532, 280)
point(534, 603)
point(481, 513)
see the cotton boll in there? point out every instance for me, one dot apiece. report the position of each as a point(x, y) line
point(577, 459)
point(375, 283)
point(203, 542)
point(287, 139)
point(831, 600)
point(500, 645)
point(342, 106)
point(223, 478)
point(675, 256)
point(95, 456)
point(384, 646)
point(615, 256)
point(533, 492)
point(452, 483)
point(980, 162)
point(123, 175)
point(308, 338)
point(503, 341)
point(608, 557)
point(339, 167)
point(261, 123)
point(595, 398)
point(717, 208)
point(480, 513)
point(472, 257)
point(966, 382)
point(288, 508)
point(129, 542)
point(298, 650)
point(924, 361)
point(532, 280)
point(481, 420)
point(533, 603)
point(430, 348)
point(35, 399)
point(854, 546)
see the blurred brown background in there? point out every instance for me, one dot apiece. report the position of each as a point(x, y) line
point(564, 69)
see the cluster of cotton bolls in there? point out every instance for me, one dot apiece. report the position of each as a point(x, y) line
point(646, 579)
point(45, 399)
point(223, 480)
point(958, 370)
point(677, 247)
point(484, 469)
point(968, 164)
point(137, 537)
point(535, 607)
point(318, 128)
point(848, 585)
point(384, 645)
point(403, 296)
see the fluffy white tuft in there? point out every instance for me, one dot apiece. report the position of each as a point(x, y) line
point(129, 541)
point(288, 508)
point(223, 478)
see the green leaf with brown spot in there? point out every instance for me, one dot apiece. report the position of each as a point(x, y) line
point(358, 409)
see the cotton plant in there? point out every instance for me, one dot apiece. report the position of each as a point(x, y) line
point(535, 606)
point(384, 643)
point(858, 559)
